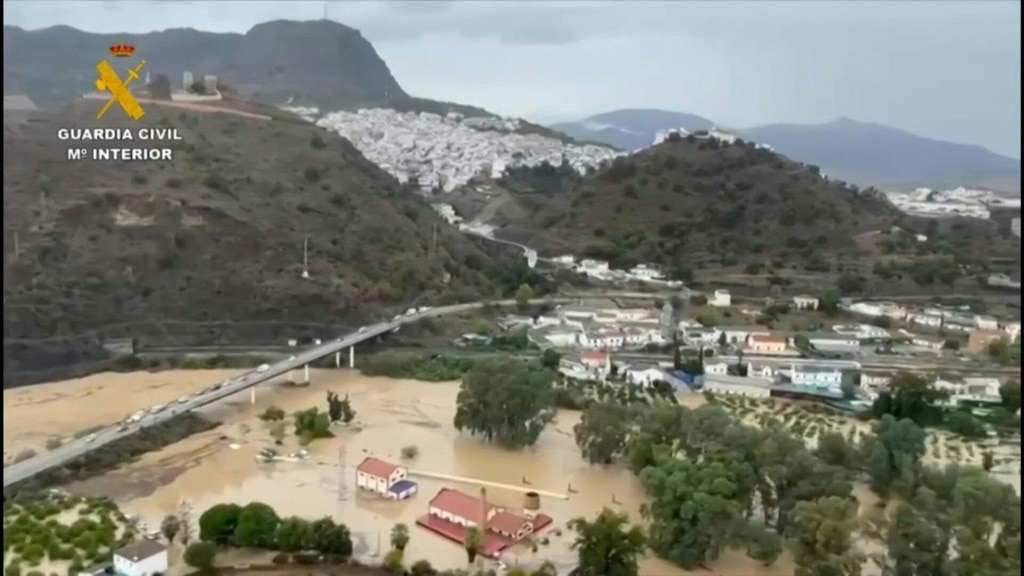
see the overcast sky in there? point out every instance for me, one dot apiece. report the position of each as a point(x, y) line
point(948, 70)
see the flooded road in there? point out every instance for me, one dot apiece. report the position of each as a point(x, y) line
point(220, 465)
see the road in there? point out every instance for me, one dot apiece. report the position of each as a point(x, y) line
point(72, 449)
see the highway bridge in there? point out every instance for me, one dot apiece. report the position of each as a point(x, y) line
point(73, 449)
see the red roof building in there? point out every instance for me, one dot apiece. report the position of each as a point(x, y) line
point(452, 512)
point(376, 467)
point(384, 478)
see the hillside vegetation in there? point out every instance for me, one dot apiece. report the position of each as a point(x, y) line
point(691, 204)
point(209, 246)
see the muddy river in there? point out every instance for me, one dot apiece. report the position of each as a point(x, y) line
point(220, 465)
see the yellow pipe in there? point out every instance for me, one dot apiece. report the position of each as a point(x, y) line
point(466, 480)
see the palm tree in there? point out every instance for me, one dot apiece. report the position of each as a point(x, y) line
point(399, 536)
point(170, 527)
point(472, 543)
point(607, 545)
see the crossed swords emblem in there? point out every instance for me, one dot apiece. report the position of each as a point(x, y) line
point(119, 92)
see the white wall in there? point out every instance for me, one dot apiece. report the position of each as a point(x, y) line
point(145, 567)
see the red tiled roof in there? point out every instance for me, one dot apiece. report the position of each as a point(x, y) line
point(459, 504)
point(377, 467)
point(595, 356)
point(506, 522)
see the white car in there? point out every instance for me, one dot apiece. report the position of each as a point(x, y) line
point(90, 438)
point(262, 368)
point(183, 399)
point(291, 358)
point(361, 330)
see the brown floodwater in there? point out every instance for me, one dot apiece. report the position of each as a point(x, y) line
point(220, 465)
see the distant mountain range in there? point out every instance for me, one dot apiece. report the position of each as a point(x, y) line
point(862, 153)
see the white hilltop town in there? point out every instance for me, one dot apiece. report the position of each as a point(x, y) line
point(960, 201)
point(446, 152)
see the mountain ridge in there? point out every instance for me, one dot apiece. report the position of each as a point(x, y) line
point(268, 62)
point(860, 152)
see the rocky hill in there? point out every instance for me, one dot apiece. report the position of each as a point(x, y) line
point(863, 153)
point(701, 204)
point(320, 63)
point(209, 246)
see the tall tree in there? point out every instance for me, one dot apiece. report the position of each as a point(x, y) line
point(472, 544)
point(217, 524)
point(399, 536)
point(607, 545)
point(170, 527)
point(823, 538)
point(894, 455)
point(523, 295)
point(602, 431)
point(505, 401)
point(257, 526)
point(693, 510)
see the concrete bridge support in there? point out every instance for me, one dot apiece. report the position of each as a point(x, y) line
point(351, 356)
point(305, 374)
point(337, 359)
point(252, 395)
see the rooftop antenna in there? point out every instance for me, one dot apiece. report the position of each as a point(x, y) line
point(305, 257)
point(325, 11)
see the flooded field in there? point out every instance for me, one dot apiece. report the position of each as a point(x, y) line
point(220, 465)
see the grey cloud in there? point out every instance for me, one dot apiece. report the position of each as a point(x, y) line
point(945, 69)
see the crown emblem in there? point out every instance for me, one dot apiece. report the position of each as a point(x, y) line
point(122, 50)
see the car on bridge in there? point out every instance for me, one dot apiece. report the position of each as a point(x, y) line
point(262, 368)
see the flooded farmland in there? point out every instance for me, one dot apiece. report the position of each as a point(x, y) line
point(221, 465)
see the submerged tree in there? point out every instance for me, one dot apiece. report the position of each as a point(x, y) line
point(608, 545)
point(505, 401)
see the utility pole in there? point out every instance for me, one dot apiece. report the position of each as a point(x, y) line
point(305, 257)
point(325, 11)
point(17, 247)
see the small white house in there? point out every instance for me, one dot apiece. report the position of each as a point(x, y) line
point(644, 376)
point(720, 299)
point(805, 302)
point(384, 478)
point(141, 558)
point(716, 368)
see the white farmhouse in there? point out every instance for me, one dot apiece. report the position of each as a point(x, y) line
point(141, 558)
point(716, 368)
point(384, 478)
point(644, 376)
point(720, 298)
point(805, 302)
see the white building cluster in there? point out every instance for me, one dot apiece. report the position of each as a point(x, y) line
point(960, 319)
point(602, 270)
point(445, 152)
point(957, 202)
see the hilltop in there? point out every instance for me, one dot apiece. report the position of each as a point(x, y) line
point(699, 204)
point(320, 63)
point(631, 129)
point(209, 246)
point(864, 153)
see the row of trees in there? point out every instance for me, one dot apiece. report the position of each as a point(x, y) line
point(257, 525)
point(714, 484)
point(912, 396)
